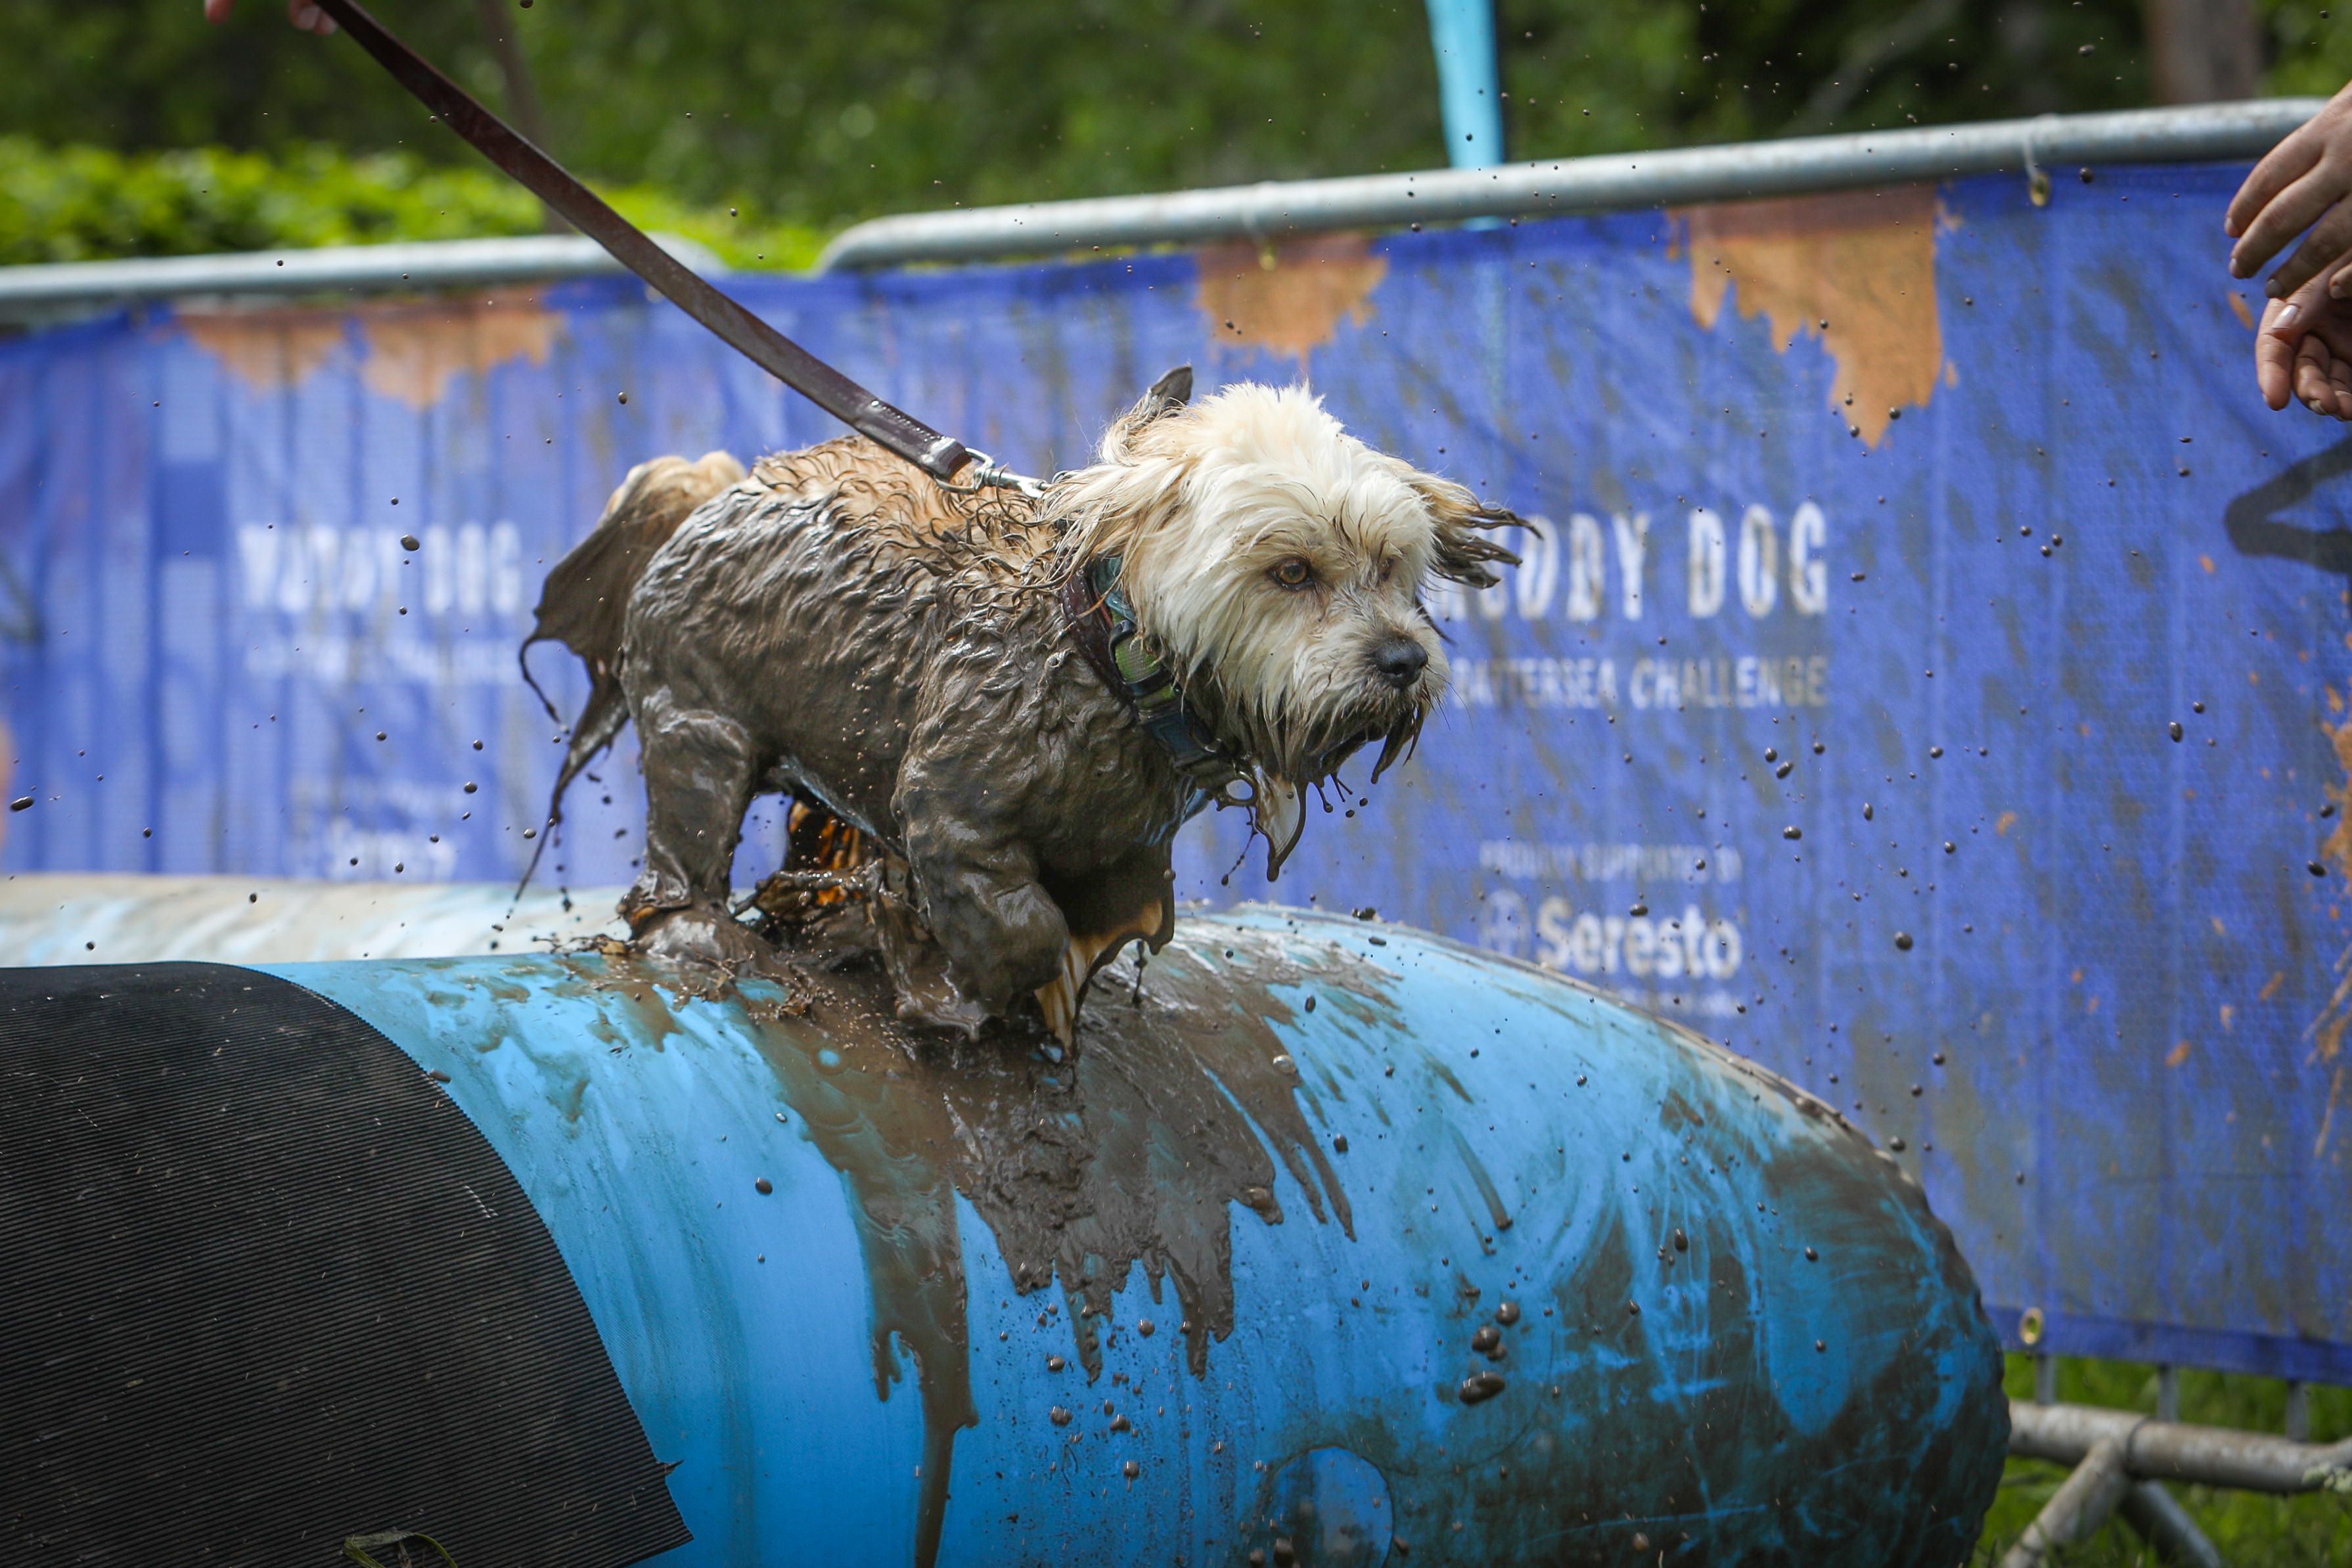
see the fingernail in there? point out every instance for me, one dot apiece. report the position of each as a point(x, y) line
point(2287, 318)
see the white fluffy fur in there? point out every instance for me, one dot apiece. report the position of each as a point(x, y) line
point(1204, 503)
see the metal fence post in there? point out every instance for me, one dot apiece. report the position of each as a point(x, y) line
point(2077, 1509)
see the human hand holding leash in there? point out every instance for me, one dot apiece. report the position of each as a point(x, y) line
point(2305, 348)
point(301, 13)
point(2300, 185)
point(2304, 351)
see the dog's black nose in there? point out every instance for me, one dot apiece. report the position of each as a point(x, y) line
point(1400, 660)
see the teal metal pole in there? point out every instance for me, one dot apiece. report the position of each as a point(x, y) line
point(1469, 82)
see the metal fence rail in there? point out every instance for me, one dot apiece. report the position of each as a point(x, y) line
point(1610, 182)
point(62, 289)
point(58, 291)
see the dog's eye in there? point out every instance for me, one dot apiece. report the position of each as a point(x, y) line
point(1293, 574)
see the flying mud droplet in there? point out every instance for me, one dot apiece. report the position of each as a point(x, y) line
point(2175, 727)
point(1054, 1364)
point(1868, 811)
point(1283, 1064)
point(1487, 1340)
point(1340, 1144)
point(1479, 1388)
point(435, 1074)
point(21, 803)
point(1060, 1417)
point(1903, 941)
point(1131, 1469)
point(1682, 1242)
point(1897, 1144)
point(2315, 868)
point(1811, 1256)
point(1507, 1314)
point(1783, 770)
point(625, 397)
point(763, 1187)
point(411, 542)
point(1638, 910)
point(1793, 831)
point(1935, 751)
point(1147, 1328)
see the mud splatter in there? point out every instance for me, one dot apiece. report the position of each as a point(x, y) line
point(1864, 262)
point(1133, 1151)
point(414, 352)
point(269, 350)
point(1294, 306)
point(2326, 1032)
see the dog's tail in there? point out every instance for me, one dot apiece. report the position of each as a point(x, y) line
point(585, 603)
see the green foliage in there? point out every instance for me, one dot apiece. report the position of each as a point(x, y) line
point(2310, 1531)
point(81, 203)
point(803, 116)
point(77, 203)
point(2311, 51)
point(1613, 74)
point(813, 114)
point(743, 234)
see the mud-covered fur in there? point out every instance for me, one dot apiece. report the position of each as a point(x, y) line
point(839, 627)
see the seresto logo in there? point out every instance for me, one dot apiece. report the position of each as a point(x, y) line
point(1559, 936)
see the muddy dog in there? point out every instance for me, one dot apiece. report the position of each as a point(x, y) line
point(1021, 698)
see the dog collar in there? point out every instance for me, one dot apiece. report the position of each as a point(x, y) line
point(1103, 621)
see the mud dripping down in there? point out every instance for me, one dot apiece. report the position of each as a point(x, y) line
point(1174, 1106)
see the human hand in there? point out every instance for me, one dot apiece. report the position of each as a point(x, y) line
point(2300, 184)
point(2304, 351)
point(301, 13)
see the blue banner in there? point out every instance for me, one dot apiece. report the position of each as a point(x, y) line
point(1927, 672)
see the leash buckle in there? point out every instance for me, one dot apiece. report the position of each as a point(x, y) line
point(992, 475)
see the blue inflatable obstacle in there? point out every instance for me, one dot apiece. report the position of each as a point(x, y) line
point(1330, 1243)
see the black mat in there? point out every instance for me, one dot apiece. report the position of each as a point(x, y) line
point(263, 1286)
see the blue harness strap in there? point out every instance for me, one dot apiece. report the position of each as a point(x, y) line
point(1103, 621)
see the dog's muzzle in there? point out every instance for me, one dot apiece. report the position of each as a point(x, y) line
point(1398, 660)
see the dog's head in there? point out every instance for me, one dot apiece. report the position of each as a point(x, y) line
point(1278, 563)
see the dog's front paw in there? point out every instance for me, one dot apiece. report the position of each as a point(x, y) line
point(700, 935)
point(942, 1007)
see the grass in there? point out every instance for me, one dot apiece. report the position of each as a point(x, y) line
point(2252, 1530)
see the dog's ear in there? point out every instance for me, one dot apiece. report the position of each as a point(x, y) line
point(1464, 552)
point(1167, 395)
point(1172, 390)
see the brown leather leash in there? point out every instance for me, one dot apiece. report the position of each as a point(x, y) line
point(939, 455)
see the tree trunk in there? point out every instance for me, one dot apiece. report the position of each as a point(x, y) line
point(2203, 51)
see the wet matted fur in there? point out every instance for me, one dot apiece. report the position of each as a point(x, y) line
point(838, 626)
